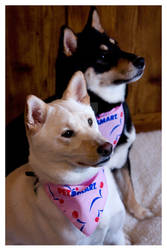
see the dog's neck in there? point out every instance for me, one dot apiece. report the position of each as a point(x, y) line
point(61, 172)
point(111, 94)
point(100, 105)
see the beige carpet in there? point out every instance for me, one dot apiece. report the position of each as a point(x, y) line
point(146, 174)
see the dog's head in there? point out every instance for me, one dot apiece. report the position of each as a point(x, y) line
point(99, 56)
point(65, 131)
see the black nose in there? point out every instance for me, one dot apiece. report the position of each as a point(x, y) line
point(105, 149)
point(139, 62)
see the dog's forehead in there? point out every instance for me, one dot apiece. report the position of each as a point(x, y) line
point(71, 108)
point(95, 39)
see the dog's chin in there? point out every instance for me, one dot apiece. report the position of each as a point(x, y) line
point(133, 79)
point(97, 164)
point(137, 76)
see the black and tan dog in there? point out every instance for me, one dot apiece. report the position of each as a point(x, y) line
point(107, 70)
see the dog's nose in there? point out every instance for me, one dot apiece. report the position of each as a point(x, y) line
point(139, 62)
point(105, 149)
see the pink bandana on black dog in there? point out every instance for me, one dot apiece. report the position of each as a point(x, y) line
point(111, 124)
point(83, 204)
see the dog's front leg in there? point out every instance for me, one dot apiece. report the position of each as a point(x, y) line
point(124, 181)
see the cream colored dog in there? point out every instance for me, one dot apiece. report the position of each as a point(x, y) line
point(65, 148)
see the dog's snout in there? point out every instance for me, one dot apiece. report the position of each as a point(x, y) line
point(105, 149)
point(139, 62)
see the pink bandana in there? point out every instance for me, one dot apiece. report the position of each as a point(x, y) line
point(111, 124)
point(83, 204)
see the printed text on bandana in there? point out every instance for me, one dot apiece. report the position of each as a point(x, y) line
point(107, 119)
point(111, 124)
point(73, 192)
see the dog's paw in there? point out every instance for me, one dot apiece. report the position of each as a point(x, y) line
point(127, 240)
point(142, 213)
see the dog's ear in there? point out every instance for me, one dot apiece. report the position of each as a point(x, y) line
point(35, 113)
point(94, 20)
point(76, 89)
point(69, 42)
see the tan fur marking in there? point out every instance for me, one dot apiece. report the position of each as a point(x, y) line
point(124, 70)
point(123, 66)
point(103, 47)
point(112, 40)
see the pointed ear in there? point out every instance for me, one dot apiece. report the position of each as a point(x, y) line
point(94, 20)
point(77, 89)
point(96, 24)
point(35, 114)
point(69, 42)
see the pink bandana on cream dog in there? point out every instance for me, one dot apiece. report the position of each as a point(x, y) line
point(83, 204)
point(111, 124)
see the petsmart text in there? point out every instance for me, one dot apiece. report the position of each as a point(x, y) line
point(107, 119)
point(74, 192)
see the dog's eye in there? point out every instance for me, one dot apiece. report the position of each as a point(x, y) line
point(102, 58)
point(90, 122)
point(68, 134)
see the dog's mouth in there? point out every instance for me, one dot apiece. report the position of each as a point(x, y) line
point(134, 78)
point(94, 165)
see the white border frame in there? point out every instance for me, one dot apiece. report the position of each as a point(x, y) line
point(163, 3)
